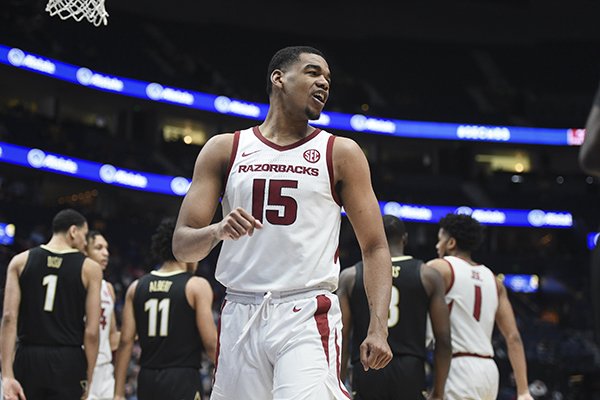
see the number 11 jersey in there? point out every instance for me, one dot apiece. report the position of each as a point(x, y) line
point(290, 189)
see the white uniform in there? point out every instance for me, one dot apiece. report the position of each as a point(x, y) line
point(473, 301)
point(280, 324)
point(103, 382)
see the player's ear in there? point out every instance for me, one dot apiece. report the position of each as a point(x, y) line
point(277, 78)
point(451, 244)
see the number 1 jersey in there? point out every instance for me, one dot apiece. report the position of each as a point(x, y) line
point(290, 189)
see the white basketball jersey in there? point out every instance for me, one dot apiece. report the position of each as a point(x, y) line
point(107, 305)
point(290, 189)
point(473, 301)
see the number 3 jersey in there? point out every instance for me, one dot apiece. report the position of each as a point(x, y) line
point(290, 189)
point(165, 322)
point(473, 301)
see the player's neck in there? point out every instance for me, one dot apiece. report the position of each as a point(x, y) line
point(59, 242)
point(172, 266)
point(283, 131)
point(465, 256)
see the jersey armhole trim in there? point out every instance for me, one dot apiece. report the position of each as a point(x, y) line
point(330, 169)
point(234, 147)
point(451, 276)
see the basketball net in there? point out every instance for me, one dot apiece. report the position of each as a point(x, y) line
point(92, 10)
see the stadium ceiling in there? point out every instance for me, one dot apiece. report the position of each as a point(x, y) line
point(473, 21)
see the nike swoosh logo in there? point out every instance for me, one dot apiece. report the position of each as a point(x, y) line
point(296, 309)
point(244, 154)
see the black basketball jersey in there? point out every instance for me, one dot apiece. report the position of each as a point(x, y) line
point(407, 317)
point(166, 323)
point(52, 308)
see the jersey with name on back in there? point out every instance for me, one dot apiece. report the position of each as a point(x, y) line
point(473, 301)
point(52, 308)
point(166, 323)
point(409, 300)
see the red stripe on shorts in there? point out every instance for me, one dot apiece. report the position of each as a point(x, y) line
point(337, 351)
point(323, 306)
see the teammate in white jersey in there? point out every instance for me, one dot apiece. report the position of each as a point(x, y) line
point(476, 300)
point(103, 384)
point(283, 184)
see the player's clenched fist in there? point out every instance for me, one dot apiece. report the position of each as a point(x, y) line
point(237, 224)
point(375, 352)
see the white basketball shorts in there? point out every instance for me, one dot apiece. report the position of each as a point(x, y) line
point(285, 348)
point(103, 383)
point(472, 378)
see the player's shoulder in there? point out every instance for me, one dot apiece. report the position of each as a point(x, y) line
point(198, 283)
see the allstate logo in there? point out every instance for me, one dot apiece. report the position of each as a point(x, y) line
point(223, 104)
point(358, 122)
point(154, 91)
point(0, 151)
point(36, 158)
point(180, 185)
point(463, 211)
point(392, 208)
point(16, 57)
point(84, 76)
point(536, 217)
point(107, 173)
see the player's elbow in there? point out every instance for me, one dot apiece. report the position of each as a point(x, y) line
point(513, 339)
point(92, 335)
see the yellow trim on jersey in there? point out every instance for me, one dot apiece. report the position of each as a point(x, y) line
point(45, 247)
point(401, 258)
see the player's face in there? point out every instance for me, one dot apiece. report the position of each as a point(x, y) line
point(97, 250)
point(442, 244)
point(306, 83)
point(78, 234)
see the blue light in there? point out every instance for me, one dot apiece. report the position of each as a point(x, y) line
point(7, 234)
point(521, 283)
point(592, 240)
point(224, 105)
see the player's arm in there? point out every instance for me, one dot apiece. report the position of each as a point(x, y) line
point(443, 267)
point(353, 183)
point(194, 235)
point(344, 292)
point(91, 276)
point(505, 319)
point(200, 297)
point(128, 332)
point(440, 324)
point(589, 153)
point(114, 333)
point(8, 332)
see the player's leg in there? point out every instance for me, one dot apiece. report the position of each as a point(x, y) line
point(306, 338)
point(242, 370)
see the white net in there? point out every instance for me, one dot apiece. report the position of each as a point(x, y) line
point(92, 10)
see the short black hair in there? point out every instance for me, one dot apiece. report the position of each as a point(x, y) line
point(162, 247)
point(394, 228)
point(466, 230)
point(92, 235)
point(66, 218)
point(285, 57)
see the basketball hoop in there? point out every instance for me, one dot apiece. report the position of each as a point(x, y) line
point(92, 10)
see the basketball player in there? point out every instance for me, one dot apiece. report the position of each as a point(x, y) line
point(476, 300)
point(171, 311)
point(103, 384)
point(282, 185)
point(589, 159)
point(53, 291)
point(422, 291)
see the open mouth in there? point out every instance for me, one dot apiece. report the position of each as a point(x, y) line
point(321, 97)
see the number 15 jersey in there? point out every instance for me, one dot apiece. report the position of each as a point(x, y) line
point(290, 190)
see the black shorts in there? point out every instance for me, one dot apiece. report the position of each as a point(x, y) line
point(402, 379)
point(51, 373)
point(169, 384)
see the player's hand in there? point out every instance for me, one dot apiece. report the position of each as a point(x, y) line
point(525, 396)
point(12, 389)
point(236, 224)
point(375, 352)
